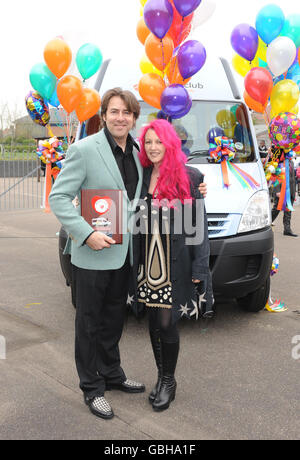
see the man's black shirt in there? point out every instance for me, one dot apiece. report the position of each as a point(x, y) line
point(125, 162)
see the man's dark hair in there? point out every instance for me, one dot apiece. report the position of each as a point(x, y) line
point(129, 99)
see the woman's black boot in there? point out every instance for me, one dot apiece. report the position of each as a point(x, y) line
point(167, 390)
point(155, 342)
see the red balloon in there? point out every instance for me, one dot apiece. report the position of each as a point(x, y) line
point(259, 84)
point(181, 27)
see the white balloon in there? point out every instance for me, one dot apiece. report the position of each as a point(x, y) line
point(203, 12)
point(281, 54)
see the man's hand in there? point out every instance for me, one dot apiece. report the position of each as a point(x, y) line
point(98, 241)
point(203, 189)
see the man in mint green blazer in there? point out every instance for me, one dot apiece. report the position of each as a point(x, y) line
point(106, 160)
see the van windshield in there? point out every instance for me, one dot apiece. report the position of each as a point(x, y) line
point(205, 121)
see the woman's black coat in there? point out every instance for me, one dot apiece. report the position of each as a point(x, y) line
point(187, 262)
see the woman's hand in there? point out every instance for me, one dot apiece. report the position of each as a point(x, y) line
point(203, 189)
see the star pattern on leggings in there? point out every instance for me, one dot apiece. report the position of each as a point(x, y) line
point(184, 309)
point(196, 309)
point(130, 299)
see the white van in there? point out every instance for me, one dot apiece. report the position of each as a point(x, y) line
point(239, 219)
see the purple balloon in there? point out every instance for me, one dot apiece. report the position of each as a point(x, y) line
point(186, 7)
point(215, 131)
point(158, 16)
point(184, 111)
point(244, 41)
point(174, 100)
point(191, 58)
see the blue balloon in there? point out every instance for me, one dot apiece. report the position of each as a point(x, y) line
point(215, 131)
point(54, 99)
point(269, 22)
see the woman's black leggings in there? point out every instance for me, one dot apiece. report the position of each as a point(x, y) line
point(161, 319)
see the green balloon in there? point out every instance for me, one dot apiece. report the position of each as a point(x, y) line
point(88, 59)
point(42, 80)
point(291, 28)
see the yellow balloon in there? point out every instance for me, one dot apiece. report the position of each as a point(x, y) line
point(242, 66)
point(229, 132)
point(262, 50)
point(225, 119)
point(147, 67)
point(294, 110)
point(143, 2)
point(284, 96)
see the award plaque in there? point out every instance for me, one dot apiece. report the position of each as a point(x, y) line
point(102, 209)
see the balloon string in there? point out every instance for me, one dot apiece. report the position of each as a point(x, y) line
point(60, 123)
point(163, 54)
point(176, 57)
point(266, 118)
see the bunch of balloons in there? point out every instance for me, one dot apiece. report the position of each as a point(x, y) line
point(168, 63)
point(54, 87)
point(274, 172)
point(268, 57)
point(275, 265)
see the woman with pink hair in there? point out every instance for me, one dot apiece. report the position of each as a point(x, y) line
point(170, 250)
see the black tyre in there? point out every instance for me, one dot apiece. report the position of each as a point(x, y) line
point(256, 301)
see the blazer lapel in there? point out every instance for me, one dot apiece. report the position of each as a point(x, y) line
point(108, 159)
point(140, 173)
point(146, 181)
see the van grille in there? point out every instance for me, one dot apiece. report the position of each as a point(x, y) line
point(217, 224)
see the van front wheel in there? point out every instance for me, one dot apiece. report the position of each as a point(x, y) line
point(256, 301)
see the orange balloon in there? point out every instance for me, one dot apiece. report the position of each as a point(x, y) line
point(58, 56)
point(69, 92)
point(142, 31)
point(89, 105)
point(151, 87)
point(173, 74)
point(159, 51)
point(253, 104)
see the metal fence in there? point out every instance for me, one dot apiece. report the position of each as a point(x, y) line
point(21, 179)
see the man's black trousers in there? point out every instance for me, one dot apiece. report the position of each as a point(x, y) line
point(101, 297)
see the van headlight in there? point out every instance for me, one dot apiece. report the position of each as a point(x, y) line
point(257, 213)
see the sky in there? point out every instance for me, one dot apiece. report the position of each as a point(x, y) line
point(26, 27)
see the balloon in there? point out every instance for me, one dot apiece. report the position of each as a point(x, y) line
point(158, 16)
point(261, 50)
point(88, 60)
point(54, 99)
point(291, 28)
point(147, 67)
point(37, 108)
point(173, 74)
point(142, 31)
point(252, 104)
point(242, 66)
point(269, 22)
point(244, 40)
point(151, 87)
point(88, 105)
point(284, 96)
point(181, 27)
point(284, 131)
point(184, 111)
point(203, 13)
point(258, 84)
point(174, 100)
point(229, 132)
point(225, 119)
point(58, 56)
point(186, 7)
point(42, 80)
point(295, 110)
point(215, 131)
point(69, 92)
point(143, 2)
point(159, 51)
point(191, 58)
point(280, 55)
